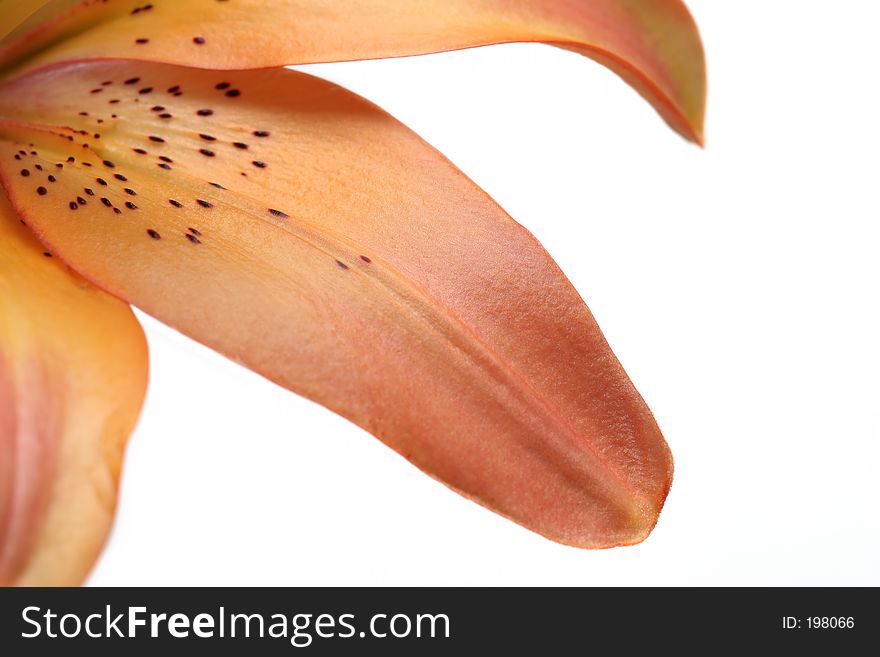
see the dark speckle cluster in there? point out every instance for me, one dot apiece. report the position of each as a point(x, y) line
point(162, 129)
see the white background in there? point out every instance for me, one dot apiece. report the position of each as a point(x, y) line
point(738, 285)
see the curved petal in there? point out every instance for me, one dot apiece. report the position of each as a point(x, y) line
point(300, 230)
point(73, 370)
point(653, 44)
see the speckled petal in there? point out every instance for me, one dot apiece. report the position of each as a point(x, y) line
point(300, 230)
point(653, 44)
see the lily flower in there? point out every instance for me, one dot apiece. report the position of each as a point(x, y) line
point(156, 153)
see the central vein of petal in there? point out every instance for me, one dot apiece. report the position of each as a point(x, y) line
point(26, 466)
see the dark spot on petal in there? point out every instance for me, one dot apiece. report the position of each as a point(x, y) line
point(139, 151)
point(25, 173)
point(366, 259)
point(207, 137)
point(222, 85)
point(71, 159)
point(119, 176)
point(146, 90)
point(106, 201)
point(38, 167)
point(240, 145)
point(130, 191)
point(52, 179)
point(200, 41)
point(279, 213)
point(109, 164)
point(165, 158)
point(42, 191)
point(117, 211)
point(133, 81)
point(141, 41)
point(156, 108)
point(233, 93)
point(261, 133)
point(130, 205)
point(205, 112)
point(217, 185)
point(174, 89)
point(204, 204)
point(158, 140)
point(259, 165)
point(152, 233)
point(342, 264)
point(46, 253)
point(193, 239)
point(96, 91)
point(101, 181)
point(89, 191)
point(165, 166)
point(206, 152)
point(194, 231)
point(72, 205)
point(176, 204)
point(80, 200)
point(165, 115)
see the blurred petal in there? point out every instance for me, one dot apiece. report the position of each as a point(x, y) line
point(14, 13)
point(73, 369)
point(653, 44)
point(300, 230)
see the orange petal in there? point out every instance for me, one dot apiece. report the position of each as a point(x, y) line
point(653, 44)
point(73, 369)
point(300, 230)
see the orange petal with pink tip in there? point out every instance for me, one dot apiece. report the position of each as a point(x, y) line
point(303, 232)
